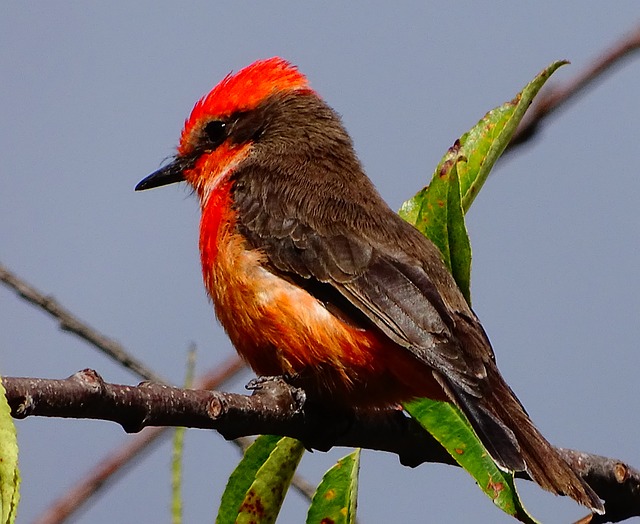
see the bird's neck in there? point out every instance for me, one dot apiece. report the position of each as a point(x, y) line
point(217, 216)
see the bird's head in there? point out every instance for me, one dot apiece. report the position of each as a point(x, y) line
point(225, 125)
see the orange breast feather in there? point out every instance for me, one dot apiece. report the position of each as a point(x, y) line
point(278, 327)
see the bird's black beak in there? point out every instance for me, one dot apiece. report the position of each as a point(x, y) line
point(169, 174)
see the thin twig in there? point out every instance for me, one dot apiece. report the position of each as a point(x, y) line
point(102, 473)
point(72, 324)
point(554, 97)
point(65, 506)
point(107, 469)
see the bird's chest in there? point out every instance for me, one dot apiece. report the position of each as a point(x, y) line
point(265, 316)
point(277, 326)
point(229, 269)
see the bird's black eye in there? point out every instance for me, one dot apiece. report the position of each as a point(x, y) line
point(215, 133)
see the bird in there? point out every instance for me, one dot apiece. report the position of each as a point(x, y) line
point(315, 278)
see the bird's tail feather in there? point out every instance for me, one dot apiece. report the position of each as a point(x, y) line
point(512, 440)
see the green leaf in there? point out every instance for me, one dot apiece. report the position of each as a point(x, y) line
point(336, 498)
point(450, 427)
point(243, 476)
point(487, 140)
point(472, 156)
point(257, 487)
point(428, 209)
point(438, 212)
point(9, 474)
point(457, 237)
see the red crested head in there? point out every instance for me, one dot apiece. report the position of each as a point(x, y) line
point(267, 105)
point(243, 91)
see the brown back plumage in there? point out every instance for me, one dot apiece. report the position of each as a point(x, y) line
point(303, 199)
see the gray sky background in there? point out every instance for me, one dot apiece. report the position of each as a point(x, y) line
point(93, 97)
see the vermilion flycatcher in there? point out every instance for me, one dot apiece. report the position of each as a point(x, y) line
point(312, 275)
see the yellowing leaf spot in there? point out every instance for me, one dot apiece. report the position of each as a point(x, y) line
point(330, 494)
point(252, 504)
point(460, 451)
point(343, 511)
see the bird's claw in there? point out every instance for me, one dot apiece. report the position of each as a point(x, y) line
point(265, 380)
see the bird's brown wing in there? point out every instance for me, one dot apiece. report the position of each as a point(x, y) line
point(393, 277)
point(396, 297)
point(390, 288)
point(394, 292)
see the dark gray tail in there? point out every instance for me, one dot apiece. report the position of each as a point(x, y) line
point(512, 440)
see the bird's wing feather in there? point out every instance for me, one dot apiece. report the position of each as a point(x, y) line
point(395, 295)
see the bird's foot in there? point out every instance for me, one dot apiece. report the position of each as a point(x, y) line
point(278, 385)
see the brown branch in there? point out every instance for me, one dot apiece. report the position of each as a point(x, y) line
point(72, 324)
point(277, 408)
point(555, 97)
point(619, 481)
point(103, 472)
point(88, 486)
point(106, 469)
